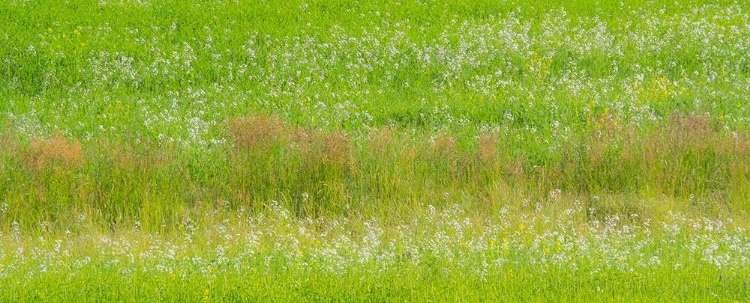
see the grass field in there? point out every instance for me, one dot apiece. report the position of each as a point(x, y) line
point(473, 150)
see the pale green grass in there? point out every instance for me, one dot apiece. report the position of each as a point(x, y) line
point(445, 254)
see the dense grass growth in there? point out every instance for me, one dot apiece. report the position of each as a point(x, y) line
point(319, 173)
point(379, 150)
point(443, 254)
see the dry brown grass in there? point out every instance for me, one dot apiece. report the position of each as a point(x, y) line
point(258, 132)
point(679, 134)
point(299, 140)
point(679, 157)
point(300, 151)
point(487, 149)
point(337, 150)
point(516, 168)
point(54, 150)
point(689, 132)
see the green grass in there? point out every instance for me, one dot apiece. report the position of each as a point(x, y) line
point(420, 141)
point(420, 284)
point(446, 254)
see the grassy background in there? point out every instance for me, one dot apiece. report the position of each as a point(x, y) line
point(139, 116)
point(131, 110)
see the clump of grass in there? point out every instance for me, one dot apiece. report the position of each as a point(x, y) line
point(337, 151)
point(272, 160)
point(444, 148)
point(53, 151)
point(682, 156)
point(445, 157)
point(256, 132)
point(299, 140)
point(487, 150)
point(311, 171)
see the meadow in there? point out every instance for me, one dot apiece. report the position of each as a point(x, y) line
point(476, 150)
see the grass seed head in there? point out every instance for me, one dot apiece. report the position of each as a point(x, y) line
point(259, 132)
point(337, 150)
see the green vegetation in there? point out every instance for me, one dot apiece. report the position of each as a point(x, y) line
point(384, 151)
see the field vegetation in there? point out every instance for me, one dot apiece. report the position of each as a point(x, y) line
point(305, 150)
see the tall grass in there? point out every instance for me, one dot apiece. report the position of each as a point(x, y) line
point(419, 150)
point(317, 173)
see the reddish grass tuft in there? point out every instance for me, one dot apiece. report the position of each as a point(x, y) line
point(299, 140)
point(487, 149)
point(260, 132)
point(690, 131)
point(337, 150)
point(54, 150)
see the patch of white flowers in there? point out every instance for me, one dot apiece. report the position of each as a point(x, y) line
point(448, 236)
point(344, 75)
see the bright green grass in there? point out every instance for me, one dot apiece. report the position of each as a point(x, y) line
point(174, 71)
point(360, 284)
point(626, 114)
